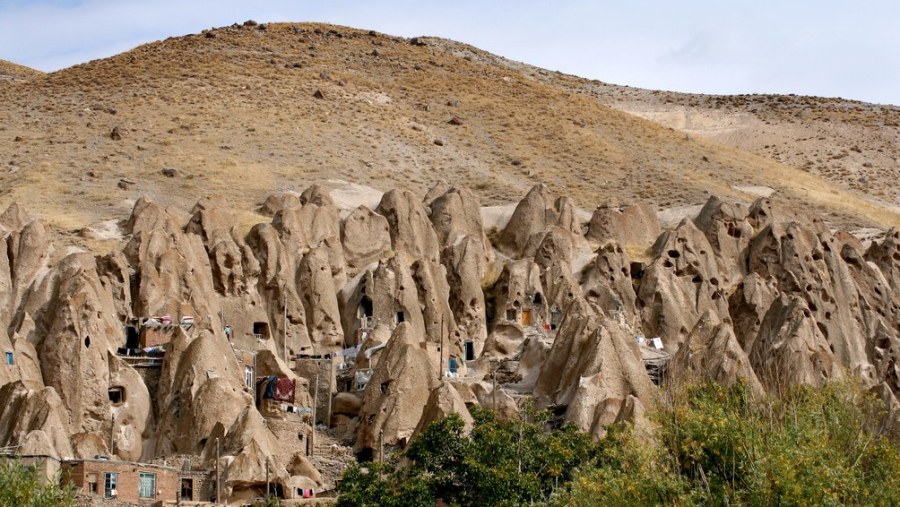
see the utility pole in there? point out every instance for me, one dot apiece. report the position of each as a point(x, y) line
point(315, 410)
point(218, 488)
point(441, 350)
point(284, 300)
point(330, 392)
point(268, 488)
point(494, 386)
point(381, 445)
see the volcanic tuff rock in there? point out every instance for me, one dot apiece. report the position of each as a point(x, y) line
point(544, 309)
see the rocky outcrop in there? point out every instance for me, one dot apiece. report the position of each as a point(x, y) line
point(636, 225)
point(132, 415)
point(319, 296)
point(443, 401)
point(790, 349)
point(397, 393)
point(539, 210)
point(365, 238)
point(409, 225)
point(200, 386)
point(548, 311)
point(78, 326)
point(591, 370)
point(34, 419)
point(464, 261)
point(729, 232)
point(681, 283)
point(712, 352)
point(607, 281)
point(748, 305)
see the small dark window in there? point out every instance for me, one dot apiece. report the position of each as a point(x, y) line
point(470, 351)
point(401, 317)
point(117, 395)
point(489, 310)
point(366, 309)
point(132, 337)
point(555, 317)
point(637, 270)
point(87, 342)
point(261, 330)
point(10, 360)
point(110, 484)
point(511, 314)
point(187, 489)
point(538, 299)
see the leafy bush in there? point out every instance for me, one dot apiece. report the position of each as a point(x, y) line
point(499, 463)
point(21, 486)
point(718, 445)
point(712, 445)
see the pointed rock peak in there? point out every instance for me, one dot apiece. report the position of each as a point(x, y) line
point(15, 217)
point(277, 202)
point(717, 209)
point(316, 194)
point(148, 215)
point(440, 188)
point(443, 401)
point(539, 190)
point(215, 201)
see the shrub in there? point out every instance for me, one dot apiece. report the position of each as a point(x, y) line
point(713, 444)
point(21, 486)
point(810, 446)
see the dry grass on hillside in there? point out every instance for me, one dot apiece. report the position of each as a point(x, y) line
point(234, 111)
point(14, 71)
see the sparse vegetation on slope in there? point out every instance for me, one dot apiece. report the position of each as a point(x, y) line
point(245, 110)
point(10, 70)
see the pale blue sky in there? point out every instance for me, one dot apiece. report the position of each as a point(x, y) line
point(827, 47)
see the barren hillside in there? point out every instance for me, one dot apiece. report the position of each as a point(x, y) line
point(851, 143)
point(14, 71)
point(854, 144)
point(245, 110)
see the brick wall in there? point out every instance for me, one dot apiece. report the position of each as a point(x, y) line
point(79, 472)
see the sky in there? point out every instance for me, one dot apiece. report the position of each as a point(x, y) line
point(825, 48)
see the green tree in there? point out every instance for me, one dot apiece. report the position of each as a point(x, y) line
point(21, 486)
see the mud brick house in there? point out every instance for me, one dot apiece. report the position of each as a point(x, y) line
point(139, 483)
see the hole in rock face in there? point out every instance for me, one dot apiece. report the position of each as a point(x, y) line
point(261, 330)
point(697, 279)
point(674, 254)
point(87, 342)
point(117, 395)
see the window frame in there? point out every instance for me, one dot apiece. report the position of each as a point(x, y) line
point(141, 476)
point(110, 484)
